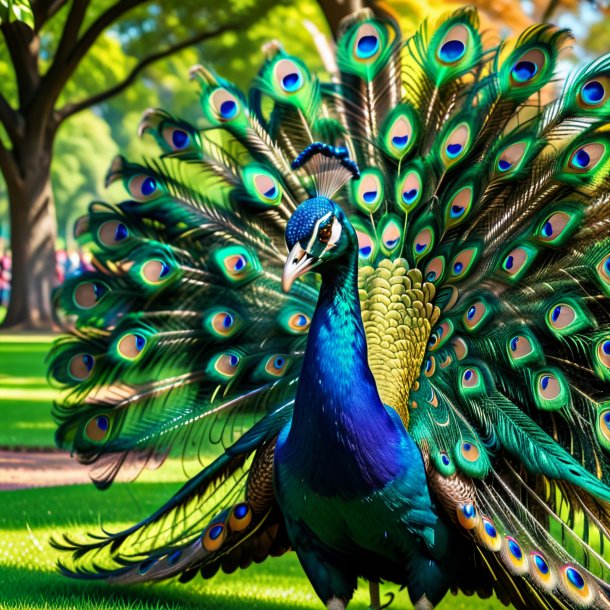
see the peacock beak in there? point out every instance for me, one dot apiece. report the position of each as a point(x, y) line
point(299, 261)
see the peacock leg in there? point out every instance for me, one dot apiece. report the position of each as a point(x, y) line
point(423, 603)
point(335, 604)
point(374, 595)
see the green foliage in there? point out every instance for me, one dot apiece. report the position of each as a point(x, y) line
point(87, 142)
point(82, 151)
point(19, 10)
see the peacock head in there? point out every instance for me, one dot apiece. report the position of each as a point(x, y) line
point(318, 236)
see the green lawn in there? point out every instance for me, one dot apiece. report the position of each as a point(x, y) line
point(25, 396)
point(28, 518)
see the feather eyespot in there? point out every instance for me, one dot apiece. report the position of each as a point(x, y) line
point(368, 191)
point(391, 236)
point(214, 537)
point(112, 232)
point(289, 76)
point(519, 347)
point(241, 517)
point(366, 245)
point(237, 264)
point(422, 243)
point(367, 44)
point(575, 585)
point(514, 559)
point(551, 390)
point(263, 187)
point(299, 323)
point(409, 191)
point(276, 365)
point(131, 345)
point(549, 386)
point(155, 271)
point(594, 92)
point(98, 428)
point(430, 366)
point(510, 158)
point(81, 366)
point(603, 351)
point(177, 139)
point(266, 186)
point(222, 323)
point(553, 226)
point(541, 571)
point(454, 45)
point(227, 364)
point(87, 295)
point(471, 382)
point(400, 133)
point(516, 262)
point(488, 534)
point(527, 67)
point(456, 144)
point(470, 451)
point(440, 335)
point(143, 187)
point(476, 315)
point(225, 105)
point(435, 269)
point(586, 158)
point(459, 206)
point(561, 316)
point(467, 515)
point(462, 263)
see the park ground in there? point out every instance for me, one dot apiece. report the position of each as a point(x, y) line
point(29, 516)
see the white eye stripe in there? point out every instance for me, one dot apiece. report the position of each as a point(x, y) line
point(335, 234)
point(314, 234)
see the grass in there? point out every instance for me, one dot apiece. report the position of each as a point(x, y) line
point(28, 518)
point(25, 396)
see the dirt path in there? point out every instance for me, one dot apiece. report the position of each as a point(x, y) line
point(24, 469)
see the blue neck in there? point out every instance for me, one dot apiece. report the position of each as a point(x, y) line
point(340, 429)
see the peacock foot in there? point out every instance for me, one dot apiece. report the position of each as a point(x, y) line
point(335, 604)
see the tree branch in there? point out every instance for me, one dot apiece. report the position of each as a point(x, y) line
point(11, 119)
point(19, 38)
point(105, 20)
point(44, 10)
point(8, 165)
point(65, 63)
point(69, 35)
point(72, 108)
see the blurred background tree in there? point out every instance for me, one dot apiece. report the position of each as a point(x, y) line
point(77, 74)
point(58, 59)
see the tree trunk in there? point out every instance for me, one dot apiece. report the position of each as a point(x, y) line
point(33, 233)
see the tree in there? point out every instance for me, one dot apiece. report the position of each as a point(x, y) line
point(44, 49)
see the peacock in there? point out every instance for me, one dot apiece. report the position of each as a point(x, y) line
point(382, 302)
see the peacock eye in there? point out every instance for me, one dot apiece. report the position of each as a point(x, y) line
point(325, 233)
